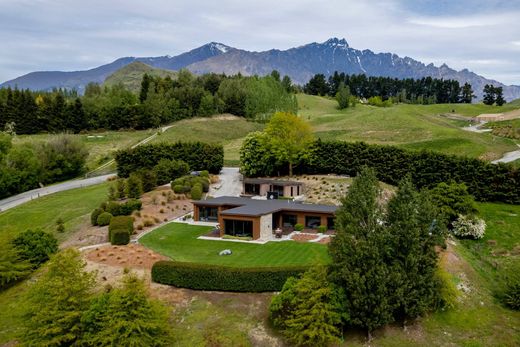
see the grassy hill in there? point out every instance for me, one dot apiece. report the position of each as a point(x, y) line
point(408, 126)
point(132, 74)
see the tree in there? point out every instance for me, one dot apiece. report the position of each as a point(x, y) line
point(167, 170)
point(307, 310)
point(290, 137)
point(414, 231)
point(453, 200)
point(5, 143)
point(499, 98)
point(145, 86)
point(57, 301)
point(343, 96)
point(287, 84)
point(120, 190)
point(317, 85)
point(256, 156)
point(489, 94)
point(126, 317)
point(276, 75)
point(36, 246)
point(357, 252)
point(12, 267)
point(134, 186)
point(467, 93)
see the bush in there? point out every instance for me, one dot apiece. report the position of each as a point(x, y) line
point(167, 170)
point(94, 216)
point(469, 227)
point(447, 292)
point(198, 156)
point(453, 200)
point(122, 223)
point(134, 186)
point(148, 179)
point(512, 295)
point(215, 277)
point(35, 246)
point(104, 219)
point(126, 209)
point(204, 173)
point(298, 227)
point(322, 229)
point(113, 208)
point(196, 192)
point(119, 237)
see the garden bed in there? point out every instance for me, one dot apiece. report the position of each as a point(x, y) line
point(130, 256)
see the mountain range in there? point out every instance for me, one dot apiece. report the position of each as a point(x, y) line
point(299, 63)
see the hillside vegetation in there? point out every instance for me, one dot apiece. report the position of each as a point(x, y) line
point(132, 74)
point(405, 125)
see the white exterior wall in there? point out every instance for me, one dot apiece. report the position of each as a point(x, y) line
point(266, 226)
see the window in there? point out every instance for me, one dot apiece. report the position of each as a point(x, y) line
point(253, 189)
point(289, 220)
point(208, 214)
point(277, 189)
point(330, 223)
point(312, 222)
point(242, 228)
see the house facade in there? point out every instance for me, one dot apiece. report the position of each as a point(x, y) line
point(259, 218)
point(264, 186)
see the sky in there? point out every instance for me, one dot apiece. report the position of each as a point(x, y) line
point(67, 35)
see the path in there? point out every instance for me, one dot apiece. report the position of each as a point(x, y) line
point(230, 183)
point(21, 198)
point(477, 128)
point(146, 140)
point(508, 157)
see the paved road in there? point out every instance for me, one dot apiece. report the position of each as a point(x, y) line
point(230, 183)
point(19, 199)
point(508, 157)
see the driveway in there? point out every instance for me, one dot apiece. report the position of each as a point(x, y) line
point(230, 183)
point(19, 199)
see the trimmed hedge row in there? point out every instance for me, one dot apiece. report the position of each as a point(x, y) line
point(198, 155)
point(224, 278)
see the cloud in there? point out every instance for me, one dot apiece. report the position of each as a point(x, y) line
point(73, 34)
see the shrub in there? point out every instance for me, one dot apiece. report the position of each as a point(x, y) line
point(512, 295)
point(60, 226)
point(122, 223)
point(113, 208)
point(453, 200)
point(298, 227)
point(148, 223)
point(134, 186)
point(469, 227)
point(94, 215)
point(130, 206)
point(322, 229)
point(104, 219)
point(204, 173)
point(225, 278)
point(35, 246)
point(179, 189)
point(167, 170)
point(148, 179)
point(198, 156)
point(119, 237)
point(196, 192)
point(447, 292)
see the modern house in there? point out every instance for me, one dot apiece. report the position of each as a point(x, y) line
point(266, 186)
point(259, 218)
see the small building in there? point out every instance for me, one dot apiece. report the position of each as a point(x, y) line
point(264, 186)
point(259, 218)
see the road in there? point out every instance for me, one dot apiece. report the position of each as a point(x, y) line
point(230, 183)
point(22, 198)
point(508, 157)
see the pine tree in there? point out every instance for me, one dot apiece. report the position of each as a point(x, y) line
point(134, 186)
point(357, 253)
point(126, 317)
point(145, 85)
point(56, 302)
point(12, 267)
point(489, 94)
point(467, 93)
point(499, 97)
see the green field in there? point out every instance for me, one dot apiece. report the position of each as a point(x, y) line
point(179, 242)
point(409, 126)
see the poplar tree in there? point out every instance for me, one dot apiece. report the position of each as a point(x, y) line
point(343, 96)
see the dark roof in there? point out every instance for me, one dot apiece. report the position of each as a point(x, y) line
point(271, 181)
point(254, 207)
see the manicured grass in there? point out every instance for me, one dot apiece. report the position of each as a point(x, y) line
point(228, 130)
point(410, 126)
point(73, 206)
point(179, 242)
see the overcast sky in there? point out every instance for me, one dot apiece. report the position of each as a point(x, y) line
point(482, 35)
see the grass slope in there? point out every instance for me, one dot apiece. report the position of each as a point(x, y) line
point(409, 126)
point(132, 74)
point(179, 242)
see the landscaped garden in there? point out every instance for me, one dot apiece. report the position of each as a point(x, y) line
point(179, 242)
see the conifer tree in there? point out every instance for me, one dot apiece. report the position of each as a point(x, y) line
point(499, 97)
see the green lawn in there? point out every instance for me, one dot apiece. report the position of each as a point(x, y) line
point(179, 242)
point(409, 126)
point(229, 131)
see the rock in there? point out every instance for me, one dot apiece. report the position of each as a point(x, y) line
point(225, 252)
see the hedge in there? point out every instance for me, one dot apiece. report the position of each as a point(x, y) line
point(199, 156)
point(223, 278)
point(104, 219)
point(485, 181)
point(118, 226)
point(119, 237)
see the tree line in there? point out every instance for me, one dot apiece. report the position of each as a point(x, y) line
point(426, 90)
point(159, 101)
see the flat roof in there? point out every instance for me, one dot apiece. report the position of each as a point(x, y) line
point(271, 181)
point(253, 207)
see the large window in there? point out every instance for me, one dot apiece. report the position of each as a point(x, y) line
point(208, 214)
point(312, 222)
point(330, 223)
point(253, 189)
point(238, 227)
point(289, 220)
point(277, 189)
